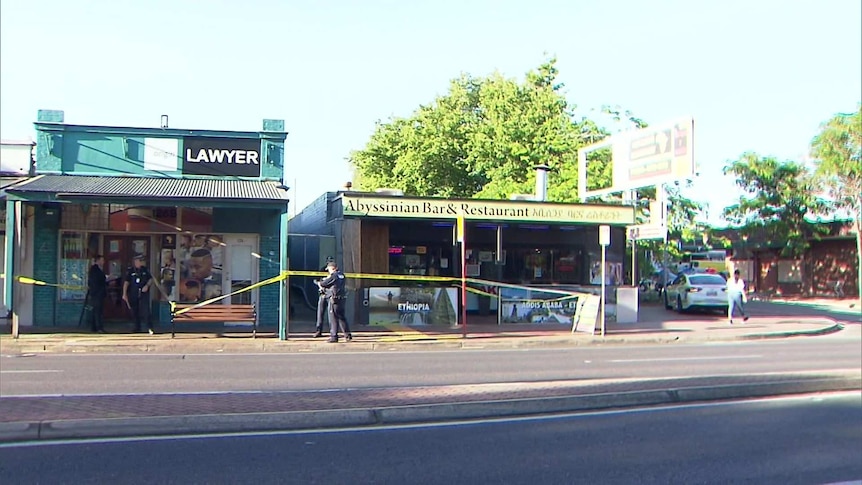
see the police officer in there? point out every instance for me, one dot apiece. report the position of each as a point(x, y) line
point(321, 305)
point(97, 290)
point(336, 293)
point(136, 292)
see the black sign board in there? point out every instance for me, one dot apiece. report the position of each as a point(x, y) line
point(229, 157)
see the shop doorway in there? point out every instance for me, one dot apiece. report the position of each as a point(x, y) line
point(119, 251)
point(241, 267)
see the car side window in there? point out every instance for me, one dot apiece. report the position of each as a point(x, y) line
point(678, 280)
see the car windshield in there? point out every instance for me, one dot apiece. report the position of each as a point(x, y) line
point(707, 279)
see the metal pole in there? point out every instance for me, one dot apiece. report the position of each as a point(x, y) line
point(284, 287)
point(464, 284)
point(603, 290)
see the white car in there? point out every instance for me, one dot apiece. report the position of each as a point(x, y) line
point(698, 290)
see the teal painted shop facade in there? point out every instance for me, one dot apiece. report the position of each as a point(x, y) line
point(208, 209)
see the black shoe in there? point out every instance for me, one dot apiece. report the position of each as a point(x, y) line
point(317, 334)
point(348, 337)
point(333, 340)
point(745, 319)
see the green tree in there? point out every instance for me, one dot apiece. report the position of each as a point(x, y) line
point(483, 138)
point(838, 149)
point(778, 196)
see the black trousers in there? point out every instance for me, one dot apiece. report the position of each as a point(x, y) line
point(337, 319)
point(97, 304)
point(141, 311)
point(321, 312)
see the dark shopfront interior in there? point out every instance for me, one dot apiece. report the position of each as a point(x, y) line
point(533, 254)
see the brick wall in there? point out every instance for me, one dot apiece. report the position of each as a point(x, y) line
point(268, 297)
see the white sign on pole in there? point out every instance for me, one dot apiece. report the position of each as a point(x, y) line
point(604, 235)
point(654, 155)
point(644, 232)
point(642, 158)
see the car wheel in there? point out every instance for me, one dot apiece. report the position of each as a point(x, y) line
point(679, 304)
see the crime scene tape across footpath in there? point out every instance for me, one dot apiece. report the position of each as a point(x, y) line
point(284, 275)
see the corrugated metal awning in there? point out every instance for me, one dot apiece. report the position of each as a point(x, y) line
point(81, 187)
point(8, 182)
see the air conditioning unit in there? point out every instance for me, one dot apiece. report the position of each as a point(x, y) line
point(522, 197)
point(385, 191)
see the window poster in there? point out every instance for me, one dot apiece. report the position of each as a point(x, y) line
point(410, 306)
point(201, 259)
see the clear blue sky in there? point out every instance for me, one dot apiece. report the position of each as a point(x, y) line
point(757, 75)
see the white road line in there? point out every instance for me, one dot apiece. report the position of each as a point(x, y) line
point(443, 424)
point(672, 359)
point(28, 371)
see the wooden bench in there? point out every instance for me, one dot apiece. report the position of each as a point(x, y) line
point(214, 313)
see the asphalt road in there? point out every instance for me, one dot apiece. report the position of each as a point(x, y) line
point(804, 440)
point(52, 374)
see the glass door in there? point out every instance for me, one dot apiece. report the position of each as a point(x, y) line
point(241, 267)
point(118, 252)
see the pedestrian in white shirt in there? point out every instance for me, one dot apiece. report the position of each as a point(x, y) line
point(736, 296)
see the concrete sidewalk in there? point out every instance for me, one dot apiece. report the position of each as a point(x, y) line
point(655, 325)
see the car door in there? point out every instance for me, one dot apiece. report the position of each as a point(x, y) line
point(673, 289)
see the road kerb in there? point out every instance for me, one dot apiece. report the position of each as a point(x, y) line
point(204, 424)
point(425, 413)
point(360, 345)
point(837, 327)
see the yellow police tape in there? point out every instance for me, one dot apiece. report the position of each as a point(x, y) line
point(284, 275)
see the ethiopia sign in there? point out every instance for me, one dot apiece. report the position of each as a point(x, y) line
point(497, 210)
point(222, 157)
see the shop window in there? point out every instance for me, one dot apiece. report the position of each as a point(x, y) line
point(73, 267)
point(789, 271)
point(421, 260)
point(544, 266)
point(84, 217)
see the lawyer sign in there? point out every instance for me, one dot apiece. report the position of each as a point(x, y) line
point(230, 157)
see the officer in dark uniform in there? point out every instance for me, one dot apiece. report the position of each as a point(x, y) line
point(97, 290)
point(321, 305)
point(336, 292)
point(136, 292)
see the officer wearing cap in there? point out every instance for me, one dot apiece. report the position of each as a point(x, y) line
point(321, 304)
point(335, 288)
point(136, 292)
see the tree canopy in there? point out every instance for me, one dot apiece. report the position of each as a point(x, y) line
point(482, 138)
point(777, 197)
point(838, 150)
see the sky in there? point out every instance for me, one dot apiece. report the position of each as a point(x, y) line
point(756, 75)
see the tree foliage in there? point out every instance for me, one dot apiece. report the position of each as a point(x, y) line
point(838, 149)
point(483, 138)
point(777, 197)
point(485, 135)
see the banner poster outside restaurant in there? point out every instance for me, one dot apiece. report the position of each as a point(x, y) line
point(535, 306)
point(411, 306)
